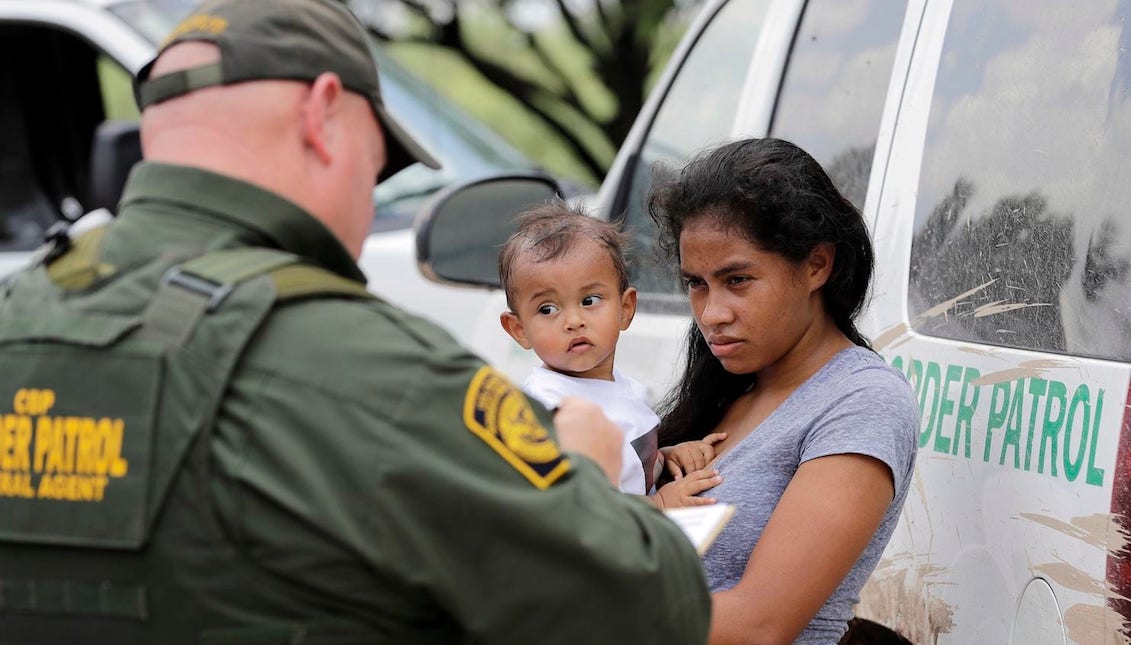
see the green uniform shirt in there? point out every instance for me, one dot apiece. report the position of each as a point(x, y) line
point(369, 465)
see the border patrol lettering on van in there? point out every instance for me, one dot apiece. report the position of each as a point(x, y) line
point(57, 457)
point(1031, 424)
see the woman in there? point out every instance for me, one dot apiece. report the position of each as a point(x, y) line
point(820, 432)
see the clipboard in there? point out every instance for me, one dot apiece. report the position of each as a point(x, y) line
point(701, 524)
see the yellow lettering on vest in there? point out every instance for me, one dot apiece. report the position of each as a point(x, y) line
point(15, 440)
point(21, 452)
point(46, 487)
point(71, 433)
point(44, 440)
point(8, 440)
point(33, 402)
point(73, 488)
point(86, 455)
point(16, 485)
point(81, 445)
point(112, 448)
point(99, 484)
point(84, 488)
point(19, 402)
point(57, 450)
point(101, 439)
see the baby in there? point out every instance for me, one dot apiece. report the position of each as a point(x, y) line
point(566, 282)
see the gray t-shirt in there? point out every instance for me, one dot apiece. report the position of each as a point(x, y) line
point(856, 404)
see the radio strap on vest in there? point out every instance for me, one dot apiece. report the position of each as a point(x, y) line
point(80, 266)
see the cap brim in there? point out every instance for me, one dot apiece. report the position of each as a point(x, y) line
point(401, 150)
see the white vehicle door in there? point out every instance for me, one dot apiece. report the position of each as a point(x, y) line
point(1003, 279)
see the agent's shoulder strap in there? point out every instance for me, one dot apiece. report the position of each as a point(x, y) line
point(198, 286)
point(295, 281)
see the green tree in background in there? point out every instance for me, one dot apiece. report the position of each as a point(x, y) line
point(561, 79)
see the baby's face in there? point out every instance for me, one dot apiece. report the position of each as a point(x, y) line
point(571, 310)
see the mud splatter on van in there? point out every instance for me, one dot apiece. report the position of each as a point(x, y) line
point(898, 597)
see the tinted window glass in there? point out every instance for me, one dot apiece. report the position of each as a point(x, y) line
point(1021, 218)
point(699, 110)
point(833, 92)
point(45, 129)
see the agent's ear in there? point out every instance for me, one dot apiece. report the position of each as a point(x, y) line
point(627, 307)
point(323, 104)
point(819, 266)
point(514, 328)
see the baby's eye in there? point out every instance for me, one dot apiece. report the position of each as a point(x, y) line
point(590, 300)
point(546, 310)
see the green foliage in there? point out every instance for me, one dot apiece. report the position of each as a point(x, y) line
point(117, 91)
point(564, 92)
point(458, 81)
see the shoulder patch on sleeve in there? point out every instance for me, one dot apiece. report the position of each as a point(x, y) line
point(499, 414)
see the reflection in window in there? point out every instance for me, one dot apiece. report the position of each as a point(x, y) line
point(699, 110)
point(833, 92)
point(1021, 212)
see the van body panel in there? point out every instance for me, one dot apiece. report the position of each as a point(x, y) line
point(1017, 447)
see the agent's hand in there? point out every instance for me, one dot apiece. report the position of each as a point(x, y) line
point(682, 491)
point(690, 456)
point(584, 429)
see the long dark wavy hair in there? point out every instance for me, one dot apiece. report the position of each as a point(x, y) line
point(780, 199)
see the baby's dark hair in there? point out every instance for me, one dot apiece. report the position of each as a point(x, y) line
point(548, 231)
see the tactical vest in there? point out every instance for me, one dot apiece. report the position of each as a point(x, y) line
point(110, 382)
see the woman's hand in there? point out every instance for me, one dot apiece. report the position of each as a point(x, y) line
point(690, 456)
point(682, 492)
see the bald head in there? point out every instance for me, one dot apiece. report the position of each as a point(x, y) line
point(316, 144)
point(218, 127)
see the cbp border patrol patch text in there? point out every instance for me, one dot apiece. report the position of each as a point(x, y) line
point(497, 412)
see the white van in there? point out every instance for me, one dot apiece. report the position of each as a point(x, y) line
point(988, 144)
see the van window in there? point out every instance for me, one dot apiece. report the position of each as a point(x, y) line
point(698, 110)
point(47, 129)
point(1022, 236)
point(832, 95)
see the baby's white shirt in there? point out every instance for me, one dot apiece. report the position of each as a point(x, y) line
point(622, 399)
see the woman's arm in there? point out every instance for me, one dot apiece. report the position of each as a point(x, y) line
point(824, 521)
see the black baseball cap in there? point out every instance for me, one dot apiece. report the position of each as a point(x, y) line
point(288, 40)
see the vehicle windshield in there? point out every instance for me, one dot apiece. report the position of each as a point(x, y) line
point(466, 148)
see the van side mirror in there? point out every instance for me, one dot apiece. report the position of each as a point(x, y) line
point(114, 150)
point(460, 232)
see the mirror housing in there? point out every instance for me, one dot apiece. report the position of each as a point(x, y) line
point(115, 148)
point(460, 232)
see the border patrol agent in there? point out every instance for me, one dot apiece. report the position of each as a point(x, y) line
point(211, 432)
